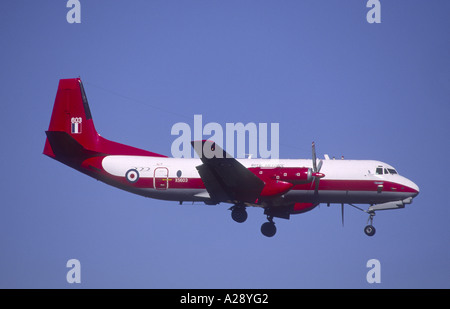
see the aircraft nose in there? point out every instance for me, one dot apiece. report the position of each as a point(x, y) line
point(411, 188)
point(414, 187)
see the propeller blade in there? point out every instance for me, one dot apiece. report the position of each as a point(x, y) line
point(316, 189)
point(342, 214)
point(316, 170)
point(314, 157)
point(320, 166)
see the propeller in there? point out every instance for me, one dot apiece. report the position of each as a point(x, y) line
point(316, 170)
point(318, 175)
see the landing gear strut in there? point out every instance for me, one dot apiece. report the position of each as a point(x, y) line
point(238, 213)
point(269, 229)
point(370, 229)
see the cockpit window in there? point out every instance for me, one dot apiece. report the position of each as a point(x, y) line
point(392, 171)
point(383, 170)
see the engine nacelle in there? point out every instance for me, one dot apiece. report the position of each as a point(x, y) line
point(303, 207)
point(276, 187)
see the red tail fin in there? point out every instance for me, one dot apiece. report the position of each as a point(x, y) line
point(71, 114)
point(71, 136)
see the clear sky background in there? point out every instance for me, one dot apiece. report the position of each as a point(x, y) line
point(318, 68)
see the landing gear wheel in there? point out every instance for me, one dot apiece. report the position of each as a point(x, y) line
point(268, 229)
point(369, 230)
point(239, 214)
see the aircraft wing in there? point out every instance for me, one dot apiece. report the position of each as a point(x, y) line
point(224, 177)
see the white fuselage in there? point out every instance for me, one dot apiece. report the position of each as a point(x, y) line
point(345, 181)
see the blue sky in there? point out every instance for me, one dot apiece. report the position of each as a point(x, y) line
point(366, 91)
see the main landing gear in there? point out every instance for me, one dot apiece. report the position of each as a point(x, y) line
point(239, 214)
point(269, 229)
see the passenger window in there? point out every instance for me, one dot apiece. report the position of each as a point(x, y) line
point(379, 171)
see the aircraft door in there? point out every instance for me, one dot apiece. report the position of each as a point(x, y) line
point(161, 178)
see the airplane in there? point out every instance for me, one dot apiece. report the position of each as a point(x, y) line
point(280, 187)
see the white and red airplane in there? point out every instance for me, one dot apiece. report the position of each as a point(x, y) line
point(281, 187)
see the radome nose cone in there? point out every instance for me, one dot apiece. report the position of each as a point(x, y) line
point(410, 187)
point(414, 187)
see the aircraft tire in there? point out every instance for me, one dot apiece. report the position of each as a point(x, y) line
point(369, 230)
point(239, 214)
point(268, 229)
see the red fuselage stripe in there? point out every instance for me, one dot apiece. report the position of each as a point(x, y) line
point(324, 185)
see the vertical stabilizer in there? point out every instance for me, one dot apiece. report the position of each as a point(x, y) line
point(71, 135)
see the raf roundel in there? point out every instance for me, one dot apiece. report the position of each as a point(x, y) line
point(132, 175)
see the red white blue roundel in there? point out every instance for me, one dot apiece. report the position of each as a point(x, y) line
point(132, 175)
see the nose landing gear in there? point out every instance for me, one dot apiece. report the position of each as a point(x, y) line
point(370, 229)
